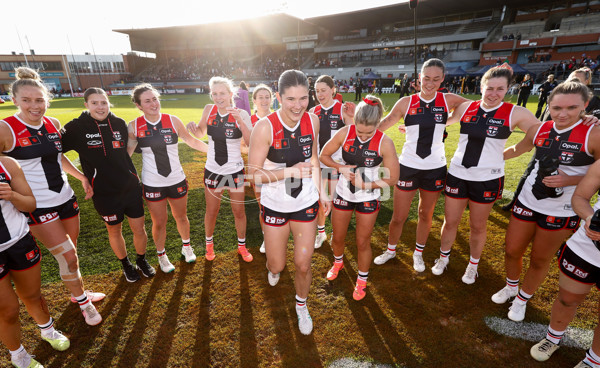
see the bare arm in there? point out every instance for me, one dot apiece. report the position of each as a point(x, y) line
point(397, 113)
point(523, 118)
point(70, 169)
point(243, 121)
point(132, 141)
point(525, 145)
point(348, 109)
point(390, 164)
point(587, 187)
point(6, 137)
point(457, 113)
point(454, 101)
point(199, 130)
point(18, 192)
point(189, 139)
point(316, 167)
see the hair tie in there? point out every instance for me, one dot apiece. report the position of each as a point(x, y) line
point(370, 102)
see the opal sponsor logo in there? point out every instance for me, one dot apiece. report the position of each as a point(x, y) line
point(369, 153)
point(438, 109)
point(52, 136)
point(92, 135)
point(305, 139)
point(496, 122)
point(570, 146)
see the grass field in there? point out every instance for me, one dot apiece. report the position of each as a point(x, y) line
point(223, 313)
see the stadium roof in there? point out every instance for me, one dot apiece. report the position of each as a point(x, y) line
point(425, 9)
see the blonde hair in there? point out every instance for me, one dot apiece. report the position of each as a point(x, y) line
point(571, 87)
point(587, 72)
point(224, 81)
point(369, 114)
point(28, 77)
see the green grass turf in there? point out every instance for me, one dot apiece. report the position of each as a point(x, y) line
point(96, 257)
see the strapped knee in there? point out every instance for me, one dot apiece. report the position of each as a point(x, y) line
point(59, 252)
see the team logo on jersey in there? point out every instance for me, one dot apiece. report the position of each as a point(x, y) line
point(3, 178)
point(281, 143)
point(438, 109)
point(567, 157)
point(350, 149)
point(168, 138)
point(571, 146)
point(334, 125)
point(307, 150)
point(144, 133)
point(439, 118)
point(470, 119)
point(52, 137)
point(541, 142)
point(28, 141)
point(58, 145)
point(369, 162)
point(415, 111)
point(492, 131)
point(117, 136)
point(228, 133)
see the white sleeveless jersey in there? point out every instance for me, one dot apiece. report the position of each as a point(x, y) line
point(289, 146)
point(13, 224)
point(224, 139)
point(331, 120)
point(425, 121)
point(483, 135)
point(570, 147)
point(39, 152)
point(158, 142)
point(583, 246)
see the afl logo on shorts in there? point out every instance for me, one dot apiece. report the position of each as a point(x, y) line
point(492, 131)
point(307, 151)
point(438, 118)
point(566, 157)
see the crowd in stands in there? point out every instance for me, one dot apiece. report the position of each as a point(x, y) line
point(200, 68)
point(565, 67)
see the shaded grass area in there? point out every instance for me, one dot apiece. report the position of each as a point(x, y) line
point(225, 314)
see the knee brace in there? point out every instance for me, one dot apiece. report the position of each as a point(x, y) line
point(58, 252)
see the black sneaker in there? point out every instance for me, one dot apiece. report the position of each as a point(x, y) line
point(144, 266)
point(130, 272)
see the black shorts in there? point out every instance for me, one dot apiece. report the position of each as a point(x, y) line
point(21, 256)
point(157, 194)
point(215, 181)
point(366, 207)
point(546, 222)
point(274, 218)
point(577, 268)
point(329, 173)
point(64, 211)
point(113, 209)
point(477, 191)
point(429, 180)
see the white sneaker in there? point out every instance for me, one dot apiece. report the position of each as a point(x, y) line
point(440, 265)
point(57, 340)
point(418, 263)
point(384, 257)
point(273, 278)
point(262, 249)
point(470, 274)
point(319, 240)
point(165, 265)
point(305, 323)
point(188, 253)
point(543, 350)
point(504, 294)
point(91, 315)
point(516, 312)
point(24, 360)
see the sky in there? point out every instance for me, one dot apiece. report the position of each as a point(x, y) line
point(79, 26)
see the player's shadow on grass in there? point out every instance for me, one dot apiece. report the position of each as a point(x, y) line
point(202, 346)
point(295, 349)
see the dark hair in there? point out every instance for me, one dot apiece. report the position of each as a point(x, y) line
point(434, 62)
point(571, 87)
point(243, 85)
point(93, 91)
point(139, 89)
point(328, 81)
point(28, 77)
point(291, 78)
point(498, 72)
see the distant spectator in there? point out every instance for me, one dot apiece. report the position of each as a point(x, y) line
point(312, 98)
point(358, 91)
point(519, 36)
point(511, 36)
point(504, 37)
point(545, 90)
point(241, 99)
point(524, 91)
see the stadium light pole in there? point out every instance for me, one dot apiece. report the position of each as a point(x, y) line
point(412, 4)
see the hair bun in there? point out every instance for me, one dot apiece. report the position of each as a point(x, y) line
point(24, 72)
